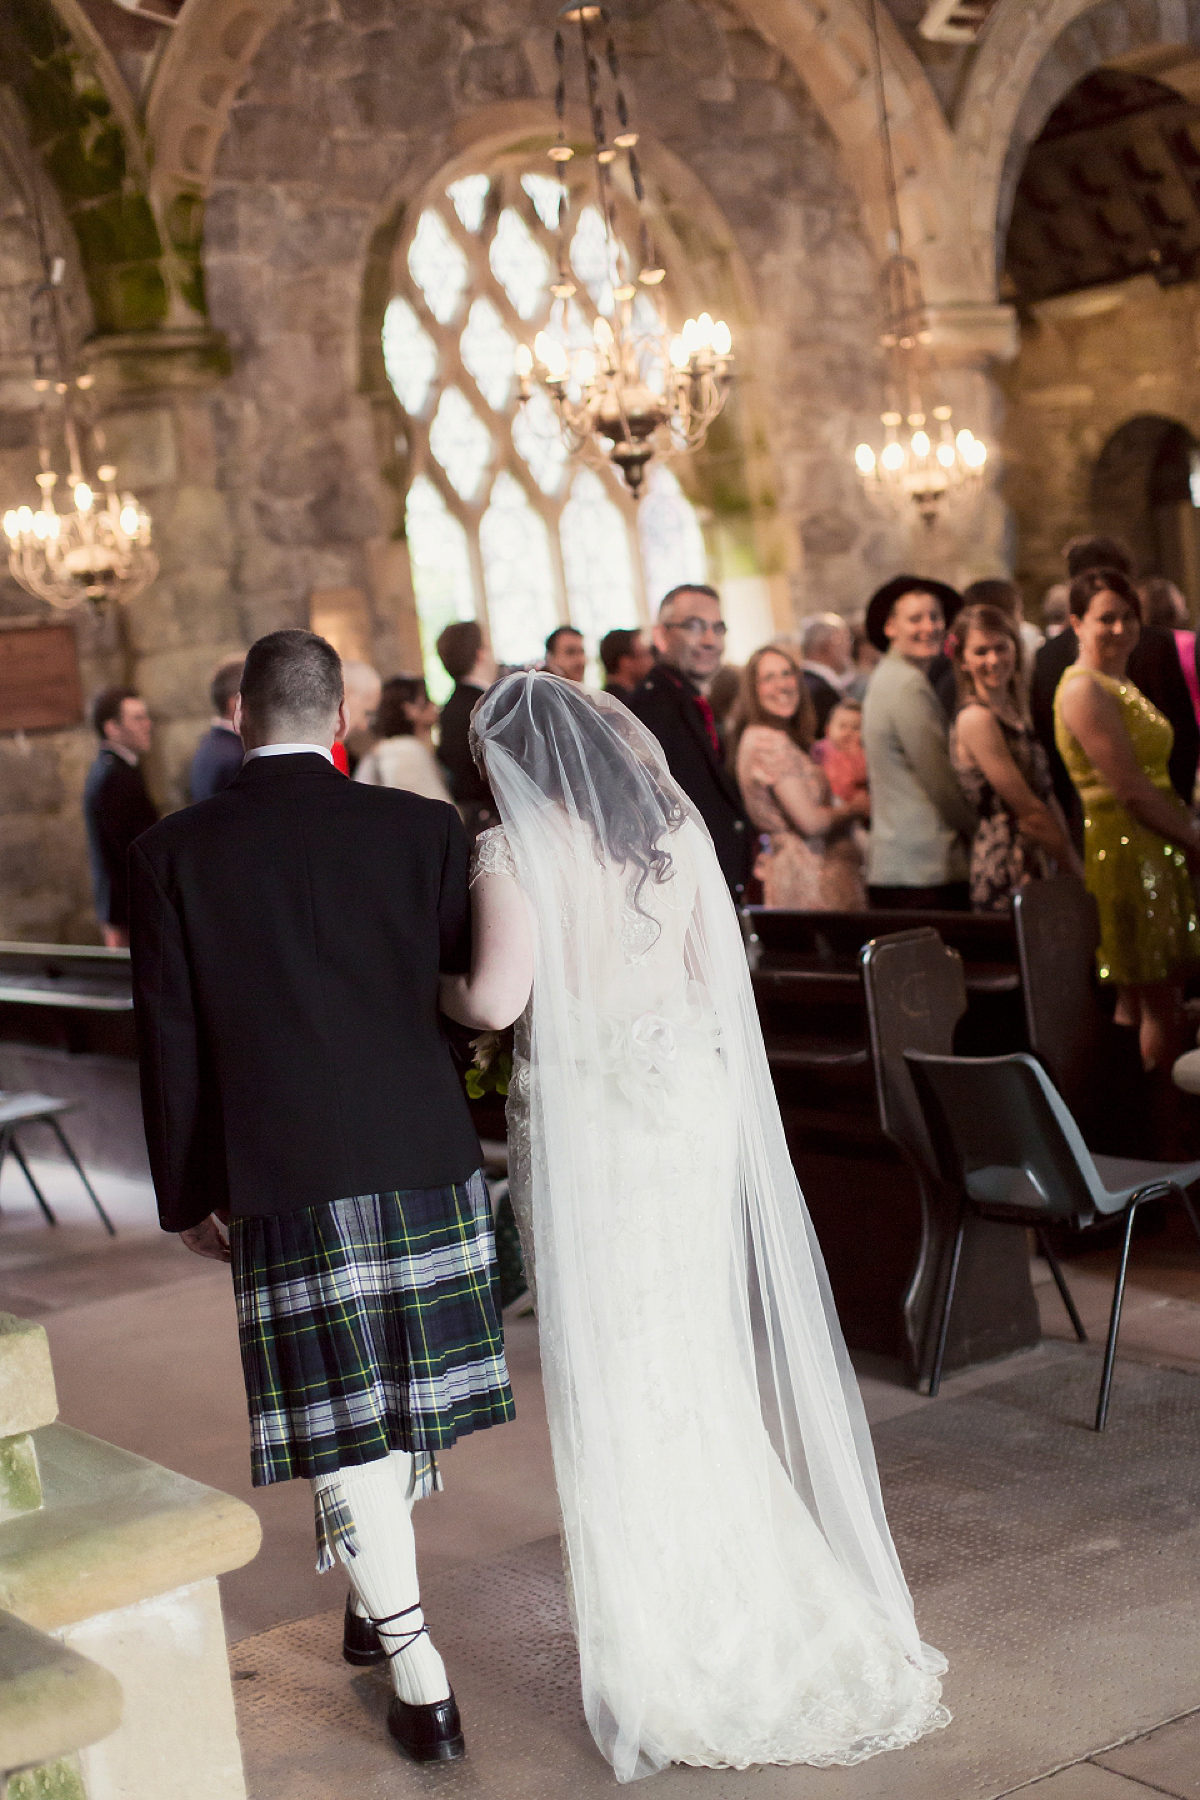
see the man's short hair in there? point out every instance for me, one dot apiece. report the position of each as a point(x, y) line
point(559, 632)
point(458, 647)
point(107, 705)
point(227, 679)
point(818, 629)
point(292, 680)
point(668, 600)
point(616, 644)
point(1097, 552)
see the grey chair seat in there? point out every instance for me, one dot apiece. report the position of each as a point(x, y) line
point(1120, 1178)
point(15, 1109)
point(1001, 1127)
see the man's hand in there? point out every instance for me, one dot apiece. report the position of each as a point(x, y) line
point(115, 937)
point(208, 1239)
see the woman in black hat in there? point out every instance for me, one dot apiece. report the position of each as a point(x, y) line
point(921, 821)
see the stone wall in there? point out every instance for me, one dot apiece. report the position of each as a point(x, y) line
point(351, 107)
point(1089, 363)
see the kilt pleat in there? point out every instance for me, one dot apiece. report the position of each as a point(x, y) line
point(368, 1325)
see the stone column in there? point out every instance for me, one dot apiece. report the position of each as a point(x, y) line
point(160, 406)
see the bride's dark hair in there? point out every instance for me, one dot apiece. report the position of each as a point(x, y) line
point(589, 755)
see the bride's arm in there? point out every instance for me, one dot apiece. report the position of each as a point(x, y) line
point(495, 992)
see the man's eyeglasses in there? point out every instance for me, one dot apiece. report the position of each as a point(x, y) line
point(696, 628)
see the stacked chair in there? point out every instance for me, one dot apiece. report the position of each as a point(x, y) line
point(993, 1135)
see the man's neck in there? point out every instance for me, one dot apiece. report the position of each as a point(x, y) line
point(123, 751)
point(679, 676)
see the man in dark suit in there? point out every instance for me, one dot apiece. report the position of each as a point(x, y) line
point(826, 645)
point(116, 806)
point(627, 659)
point(472, 668)
point(690, 640)
point(287, 941)
point(1154, 667)
point(219, 753)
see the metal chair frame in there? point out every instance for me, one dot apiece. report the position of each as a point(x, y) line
point(9, 1144)
point(1067, 1183)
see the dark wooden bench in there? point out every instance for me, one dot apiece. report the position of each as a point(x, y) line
point(807, 981)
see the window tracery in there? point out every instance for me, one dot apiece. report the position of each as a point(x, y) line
point(501, 526)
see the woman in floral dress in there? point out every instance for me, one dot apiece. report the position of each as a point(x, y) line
point(815, 859)
point(1001, 766)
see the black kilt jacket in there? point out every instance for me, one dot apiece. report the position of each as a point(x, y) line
point(287, 936)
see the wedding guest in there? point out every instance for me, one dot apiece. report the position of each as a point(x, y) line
point(1163, 605)
point(723, 692)
point(403, 757)
point(1006, 597)
point(1002, 767)
point(116, 805)
point(566, 655)
point(814, 862)
point(1141, 848)
point(219, 753)
point(627, 659)
point(865, 656)
point(826, 645)
point(363, 688)
point(921, 821)
point(1055, 613)
point(1153, 667)
point(840, 754)
point(472, 668)
point(690, 638)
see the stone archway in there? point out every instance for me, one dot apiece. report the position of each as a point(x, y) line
point(320, 156)
point(211, 52)
point(1031, 54)
point(1141, 489)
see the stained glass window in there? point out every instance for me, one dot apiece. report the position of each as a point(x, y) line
point(517, 573)
point(438, 266)
point(502, 524)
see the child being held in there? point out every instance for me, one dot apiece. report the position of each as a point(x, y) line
point(840, 752)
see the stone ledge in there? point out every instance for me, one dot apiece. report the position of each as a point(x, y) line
point(27, 1394)
point(114, 1529)
point(52, 1700)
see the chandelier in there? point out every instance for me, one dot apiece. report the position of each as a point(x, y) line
point(923, 464)
point(98, 549)
point(629, 388)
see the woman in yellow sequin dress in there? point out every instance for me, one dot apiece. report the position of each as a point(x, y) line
point(1141, 848)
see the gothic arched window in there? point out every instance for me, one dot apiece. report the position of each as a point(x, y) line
point(501, 525)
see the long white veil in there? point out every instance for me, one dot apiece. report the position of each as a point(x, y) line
point(690, 1346)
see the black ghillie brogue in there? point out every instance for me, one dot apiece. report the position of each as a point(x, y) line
point(360, 1640)
point(427, 1733)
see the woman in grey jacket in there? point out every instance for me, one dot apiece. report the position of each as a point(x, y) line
point(921, 821)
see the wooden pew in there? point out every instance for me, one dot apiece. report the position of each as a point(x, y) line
point(863, 1200)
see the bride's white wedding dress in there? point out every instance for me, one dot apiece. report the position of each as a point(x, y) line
point(736, 1595)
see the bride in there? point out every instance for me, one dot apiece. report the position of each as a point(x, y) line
point(736, 1595)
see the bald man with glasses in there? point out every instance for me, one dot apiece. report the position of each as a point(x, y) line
point(690, 640)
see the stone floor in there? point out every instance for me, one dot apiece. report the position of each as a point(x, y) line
point(1058, 1570)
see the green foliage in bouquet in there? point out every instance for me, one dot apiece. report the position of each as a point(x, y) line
point(491, 1065)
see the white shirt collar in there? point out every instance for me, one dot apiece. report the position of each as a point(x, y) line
point(129, 756)
point(840, 682)
point(291, 750)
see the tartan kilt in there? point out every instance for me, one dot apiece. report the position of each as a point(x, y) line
point(368, 1325)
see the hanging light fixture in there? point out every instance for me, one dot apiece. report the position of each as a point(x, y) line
point(923, 464)
point(98, 548)
point(636, 389)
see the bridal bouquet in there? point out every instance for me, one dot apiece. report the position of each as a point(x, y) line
point(490, 1069)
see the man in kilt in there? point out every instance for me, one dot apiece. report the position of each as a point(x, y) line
point(306, 1123)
